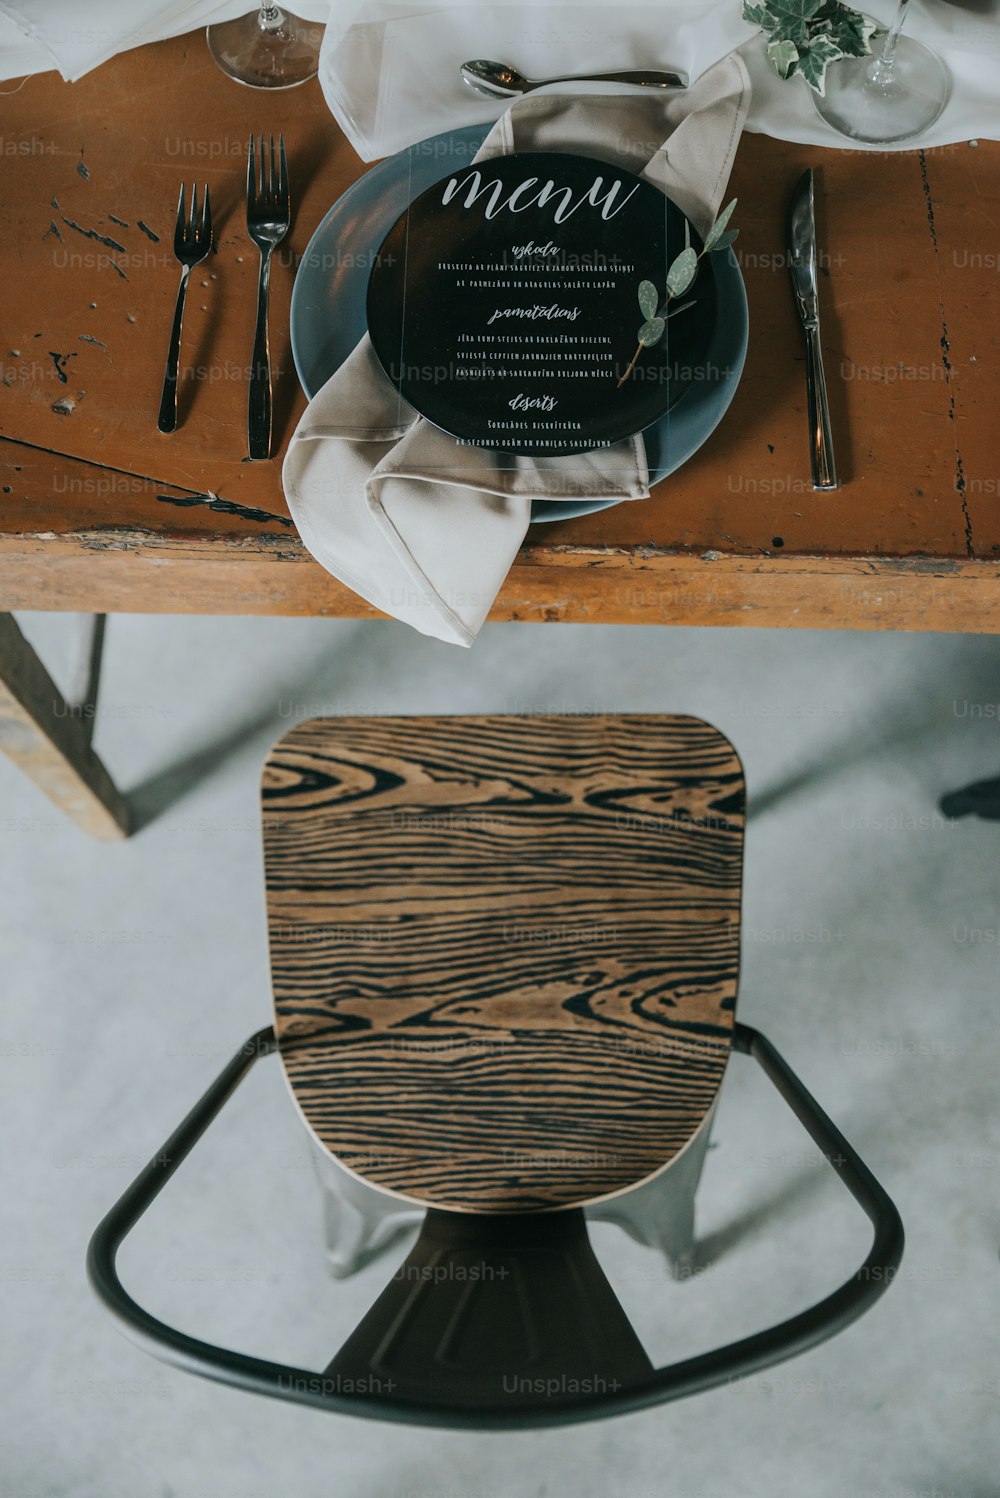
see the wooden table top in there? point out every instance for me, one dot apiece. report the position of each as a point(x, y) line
point(504, 951)
point(100, 511)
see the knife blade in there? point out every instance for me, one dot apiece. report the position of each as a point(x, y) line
point(802, 260)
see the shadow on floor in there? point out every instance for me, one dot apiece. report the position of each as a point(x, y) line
point(909, 712)
point(155, 795)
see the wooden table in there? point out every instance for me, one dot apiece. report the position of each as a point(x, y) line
point(100, 512)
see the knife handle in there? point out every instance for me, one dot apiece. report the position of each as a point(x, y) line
point(824, 468)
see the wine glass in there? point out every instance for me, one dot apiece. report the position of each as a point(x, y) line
point(267, 49)
point(893, 96)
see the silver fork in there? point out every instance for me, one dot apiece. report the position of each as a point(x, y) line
point(192, 242)
point(268, 216)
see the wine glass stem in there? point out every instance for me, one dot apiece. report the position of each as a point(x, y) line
point(272, 16)
point(888, 56)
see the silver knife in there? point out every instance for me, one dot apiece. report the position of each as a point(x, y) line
point(802, 261)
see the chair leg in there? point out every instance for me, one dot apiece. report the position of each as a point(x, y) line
point(359, 1222)
point(981, 799)
point(660, 1214)
point(49, 737)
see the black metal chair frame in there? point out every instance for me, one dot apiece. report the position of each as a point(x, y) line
point(706, 1371)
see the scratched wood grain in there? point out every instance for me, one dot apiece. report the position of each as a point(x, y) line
point(504, 950)
point(112, 514)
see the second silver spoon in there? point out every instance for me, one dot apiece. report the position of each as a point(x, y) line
point(500, 81)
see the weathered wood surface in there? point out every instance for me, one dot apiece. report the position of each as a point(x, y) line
point(101, 512)
point(504, 950)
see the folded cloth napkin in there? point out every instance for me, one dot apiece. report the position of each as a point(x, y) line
point(425, 528)
point(392, 77)
point(36, 35)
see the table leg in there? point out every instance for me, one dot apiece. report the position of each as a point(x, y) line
point(49, 738)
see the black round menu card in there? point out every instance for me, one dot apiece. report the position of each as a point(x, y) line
point(503, 304)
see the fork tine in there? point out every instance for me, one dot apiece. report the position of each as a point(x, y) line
point(181, 216)
point(272, 181)
point(206, 219)
point(193, 225)
point(262, 184)
point(251, 176)
point(282, 174)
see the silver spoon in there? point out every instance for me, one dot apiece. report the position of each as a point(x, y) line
point(500, 81)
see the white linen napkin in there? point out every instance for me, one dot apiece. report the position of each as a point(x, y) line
point(78, 35)
point(392, 77)
point(424, 528)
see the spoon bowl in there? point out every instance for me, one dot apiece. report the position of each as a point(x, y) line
point(495, 79)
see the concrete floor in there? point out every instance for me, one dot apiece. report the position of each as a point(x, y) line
point(871, 932)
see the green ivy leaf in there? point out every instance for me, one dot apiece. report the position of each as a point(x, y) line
point(783, 55)
point(792, 20)
point(854, 35)
point(794, 12)
point(815, 59)
point(757, 13)
point(652, 331)
point(795, 29)
point(718, 228)
point(682, 272)
point(649, 299)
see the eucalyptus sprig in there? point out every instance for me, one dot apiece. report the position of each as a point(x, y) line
point(805, 36)
point(680, 278)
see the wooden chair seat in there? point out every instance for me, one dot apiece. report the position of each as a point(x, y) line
point(504, 950)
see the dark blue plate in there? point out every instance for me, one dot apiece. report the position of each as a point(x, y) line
point(331, 284)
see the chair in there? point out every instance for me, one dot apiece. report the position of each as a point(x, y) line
point(504, 956)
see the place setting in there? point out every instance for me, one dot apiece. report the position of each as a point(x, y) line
point(533, 320)
point(498, 326)
point(528, 323)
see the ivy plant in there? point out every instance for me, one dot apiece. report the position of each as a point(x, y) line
point(805, 36)
point(680, 278)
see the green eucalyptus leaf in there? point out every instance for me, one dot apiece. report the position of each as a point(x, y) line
point(652, 331)
point(815, 59)
point(718, 228)
point(682, 272)
point(687, 234)
point(649, 299)
point(725, 240)
point(782, 55)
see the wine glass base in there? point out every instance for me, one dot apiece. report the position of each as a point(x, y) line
point(906, 104)
point(276, 56)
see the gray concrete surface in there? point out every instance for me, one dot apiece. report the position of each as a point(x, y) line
point(872, 931)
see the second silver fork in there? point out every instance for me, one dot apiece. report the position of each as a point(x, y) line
point(268, 216)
